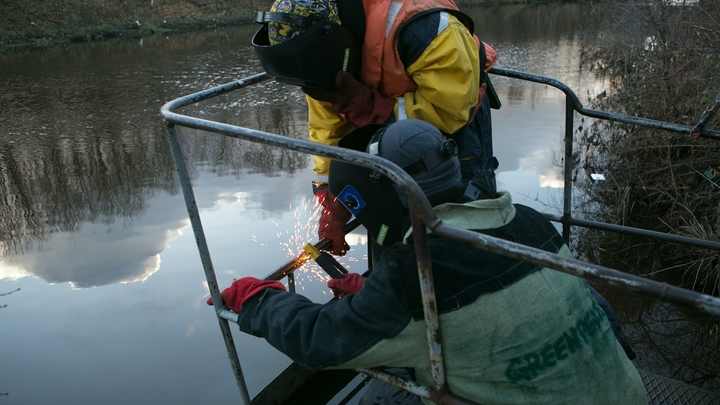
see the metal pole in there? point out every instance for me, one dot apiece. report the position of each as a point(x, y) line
point(438, 397)
point(567, 186)
point(626, 119)
point(697, 130)
point(194, 215)
point(291, 282)
point(427, 287)
point(643, 233)
point(702, 302)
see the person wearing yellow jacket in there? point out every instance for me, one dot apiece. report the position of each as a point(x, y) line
point(419, 60)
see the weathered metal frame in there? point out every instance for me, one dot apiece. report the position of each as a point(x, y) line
point(573, 104)
point(422, 217)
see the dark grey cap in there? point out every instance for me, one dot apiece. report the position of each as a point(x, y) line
point(408, 141)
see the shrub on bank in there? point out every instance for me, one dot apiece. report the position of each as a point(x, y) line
point(663, 62)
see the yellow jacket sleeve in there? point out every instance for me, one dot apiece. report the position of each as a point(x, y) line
point(448, 77)
point(327, 127)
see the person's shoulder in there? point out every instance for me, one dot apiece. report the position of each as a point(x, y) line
point(416, 35)
point(528, 211)
point(424, 26)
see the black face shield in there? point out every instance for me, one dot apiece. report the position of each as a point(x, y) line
point(374, 203)
point(313, 58)
point(375, 200)
point(370, 197)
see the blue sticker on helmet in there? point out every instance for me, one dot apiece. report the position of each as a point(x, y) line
point(351, 199)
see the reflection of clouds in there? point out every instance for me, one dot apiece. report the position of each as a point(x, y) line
point(551, 181)
point(127, 251)
point(531, 189)
point(144, 270)
point(230, 198)
point(540, 162)
point(517, 181)
point(98, 254)
point(356, 238)
point(525, 134)
point(191, 327)
point(202, 299)
point(527, 137)
point(11, 272)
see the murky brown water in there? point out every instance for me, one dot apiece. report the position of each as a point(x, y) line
point(95, 235)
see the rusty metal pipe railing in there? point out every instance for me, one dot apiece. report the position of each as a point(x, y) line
point(204, 251)
point(417, 200)
point(572, 104)
point(568, 169)
point(696, 131)
point(421, 209)
point(439, 397)
point(194, 215)
point(167, 109)
point(662, 291)
point(622, 118)
point(667, 237)
point(422, 216)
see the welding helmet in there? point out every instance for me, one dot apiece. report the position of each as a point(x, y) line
point(301, 42)
point(380, 205)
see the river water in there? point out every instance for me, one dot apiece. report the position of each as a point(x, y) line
point(103, 293)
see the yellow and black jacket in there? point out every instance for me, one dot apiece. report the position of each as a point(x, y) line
point(429, 61)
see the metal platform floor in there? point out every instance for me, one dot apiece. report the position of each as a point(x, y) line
point(662, 390)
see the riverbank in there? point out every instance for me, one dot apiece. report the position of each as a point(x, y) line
point(38, 24)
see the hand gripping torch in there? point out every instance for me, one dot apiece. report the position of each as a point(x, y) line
point(325, 260)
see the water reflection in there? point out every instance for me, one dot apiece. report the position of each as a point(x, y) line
point(82, 140)
point(90, 199)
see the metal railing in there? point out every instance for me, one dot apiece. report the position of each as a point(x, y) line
point(422, 217)
point(572, 105)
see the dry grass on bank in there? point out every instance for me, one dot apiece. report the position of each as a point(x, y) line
point(664, 61)
point(36, 23)
point(662, 182)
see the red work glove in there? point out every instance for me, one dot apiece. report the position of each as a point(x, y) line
point(243, 289)
point(332, 220)
point(350, 284)
point(361, 104)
